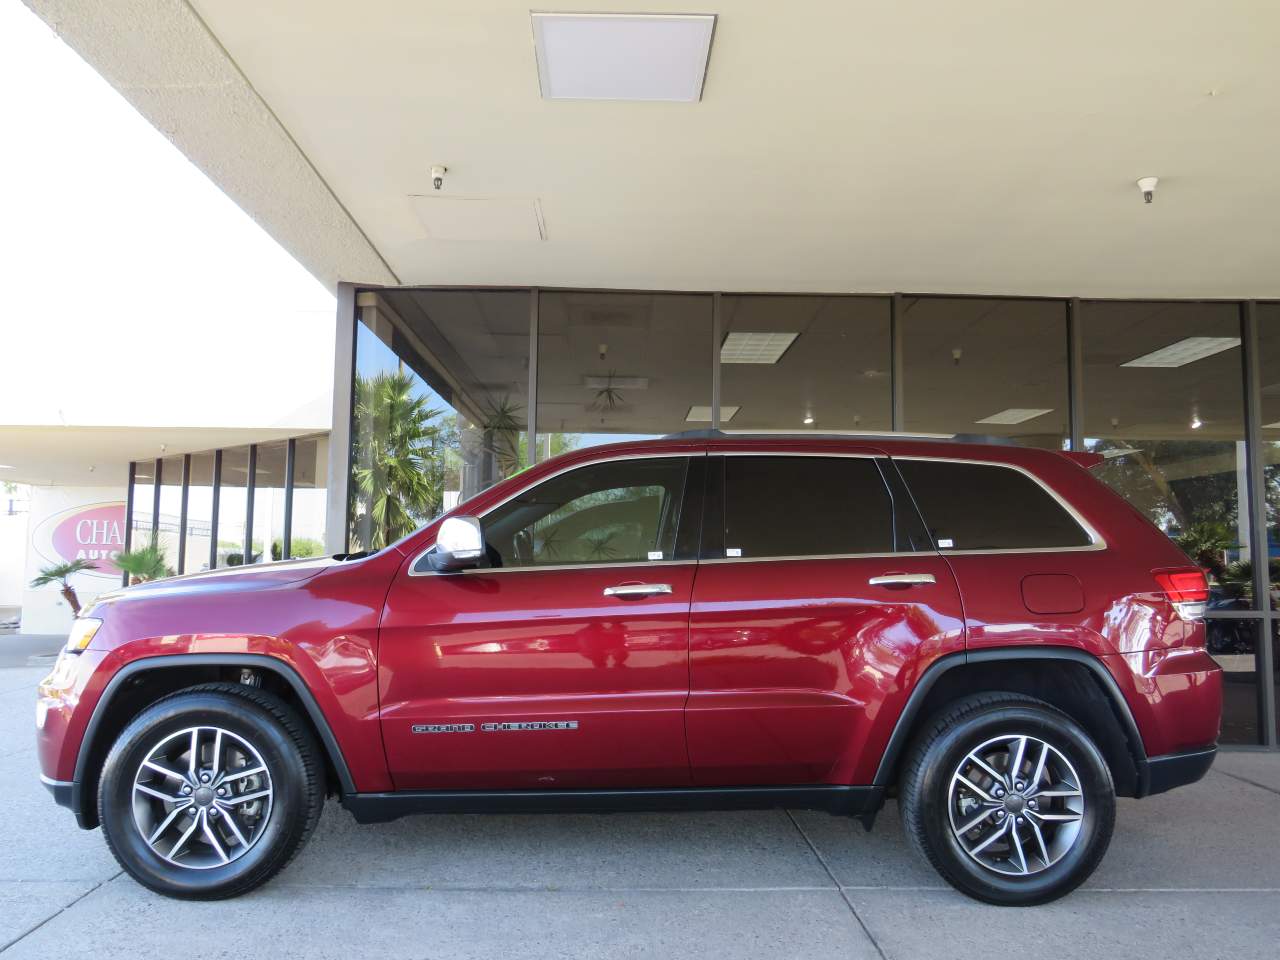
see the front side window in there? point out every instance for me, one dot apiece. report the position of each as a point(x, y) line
point(977, 506)
point(624, 511)
point(805, 507)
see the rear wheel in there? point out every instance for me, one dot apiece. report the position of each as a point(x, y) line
point(1009, 799)
point(210, 792)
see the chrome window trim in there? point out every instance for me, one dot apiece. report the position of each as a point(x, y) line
point(1098, 542)
point(688, 455)
point(826, 556)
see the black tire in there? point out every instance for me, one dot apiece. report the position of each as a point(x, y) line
point(296, 777)
point(925, 801)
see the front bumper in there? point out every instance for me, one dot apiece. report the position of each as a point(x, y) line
point(1176, 770)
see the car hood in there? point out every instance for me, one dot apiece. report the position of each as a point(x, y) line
point(258, 575)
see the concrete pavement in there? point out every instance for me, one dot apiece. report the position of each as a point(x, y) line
point(1193, 873)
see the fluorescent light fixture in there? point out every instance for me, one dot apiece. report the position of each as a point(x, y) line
point(703, 414)
point(622, 56)
point(1187, 350)
point(1271, 426)
point(1014, 415)
point(745, 347)
point(5, 466)
point(617, 383)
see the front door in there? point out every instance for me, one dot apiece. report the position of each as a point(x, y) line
point(563, 664)
point(818, 592)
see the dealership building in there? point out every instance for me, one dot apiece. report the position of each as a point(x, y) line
point(548, 231)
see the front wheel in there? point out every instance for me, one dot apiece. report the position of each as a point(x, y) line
point(210, 792)
point(1009, 799)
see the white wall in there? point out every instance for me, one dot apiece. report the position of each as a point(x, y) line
point(52, 537)
point(13, 558)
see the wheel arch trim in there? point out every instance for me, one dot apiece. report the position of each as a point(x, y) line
point(905, 723)
point(275, 665)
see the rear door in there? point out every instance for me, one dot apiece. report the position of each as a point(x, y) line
point(818, 600)
point(565, 664)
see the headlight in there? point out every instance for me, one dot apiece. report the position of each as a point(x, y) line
point(82, 632)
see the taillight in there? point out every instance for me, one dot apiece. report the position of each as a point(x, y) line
point(1186, 588)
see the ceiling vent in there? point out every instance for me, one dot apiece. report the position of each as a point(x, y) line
point(622, 56)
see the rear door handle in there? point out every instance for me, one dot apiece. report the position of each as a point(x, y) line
point(902, 580)
point(632, 591)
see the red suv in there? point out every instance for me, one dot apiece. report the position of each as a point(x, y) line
point(985, 632)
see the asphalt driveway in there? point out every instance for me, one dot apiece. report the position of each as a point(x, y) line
point(1194, 873)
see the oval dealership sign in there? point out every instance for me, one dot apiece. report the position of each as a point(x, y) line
point(92, 531)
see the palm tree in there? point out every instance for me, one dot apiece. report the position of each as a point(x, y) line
point(398, 466)
point(61, 573)
point(144, 563)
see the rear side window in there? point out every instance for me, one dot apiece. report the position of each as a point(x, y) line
point(805, 507)
point(975, 506)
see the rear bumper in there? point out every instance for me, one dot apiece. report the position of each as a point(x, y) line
point(1176, 770)
point(62, 790)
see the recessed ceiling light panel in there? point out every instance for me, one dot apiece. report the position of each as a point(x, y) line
point(1185, 351)
point(1014, 415)
point(703, 414)
point(622, 56)
point(751, 347)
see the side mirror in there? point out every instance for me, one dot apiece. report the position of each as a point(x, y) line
point(459, 545)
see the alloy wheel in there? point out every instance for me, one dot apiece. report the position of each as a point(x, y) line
point(202, 797)
point(1015, 805)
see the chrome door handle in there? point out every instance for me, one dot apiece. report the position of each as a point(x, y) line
point(630, 591)
point(902, 579)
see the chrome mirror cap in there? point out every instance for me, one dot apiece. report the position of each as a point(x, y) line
point(459, 544)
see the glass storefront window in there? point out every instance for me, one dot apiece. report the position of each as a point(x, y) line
point(169, 523)
point(986, 366)
point(233, 502)
point(621, 366)
point(199, 518)
point(1164, 403)
point(805, 363)
point(1269, 367)
point(310, 495)
point(439, 408)
point(1234, 644)
point(144, 505)
point(268, 501)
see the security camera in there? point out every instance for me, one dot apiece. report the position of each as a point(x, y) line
point(437, 176)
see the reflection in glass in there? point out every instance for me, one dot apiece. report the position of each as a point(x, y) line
point(439, 406)
point(1269, 368)
point(1233, 644)
point(1163, 402)
point(805, 363)
point(989, 367)
point(143, 514)
point(620, 366)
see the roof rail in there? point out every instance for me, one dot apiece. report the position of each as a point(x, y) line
point(837, 435)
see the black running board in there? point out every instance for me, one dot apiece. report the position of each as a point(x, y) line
point(849, 801)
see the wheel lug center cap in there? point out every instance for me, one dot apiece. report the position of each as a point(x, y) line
point(1014, 803)
point(203, 796)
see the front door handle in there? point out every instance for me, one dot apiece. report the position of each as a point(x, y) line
point(902, 580)
point(633, 591)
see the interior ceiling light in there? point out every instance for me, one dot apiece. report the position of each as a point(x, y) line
point(1187, 350)
point(1014, 415)
point(1271, 426)
point(622, 56)
point(703, 414)
point(617, 383)
point(744, 347)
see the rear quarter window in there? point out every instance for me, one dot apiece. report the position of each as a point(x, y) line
point(977, 506)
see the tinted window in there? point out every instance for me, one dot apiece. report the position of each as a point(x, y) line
point(983, 507)
point(623, 511)
point(805, 507)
